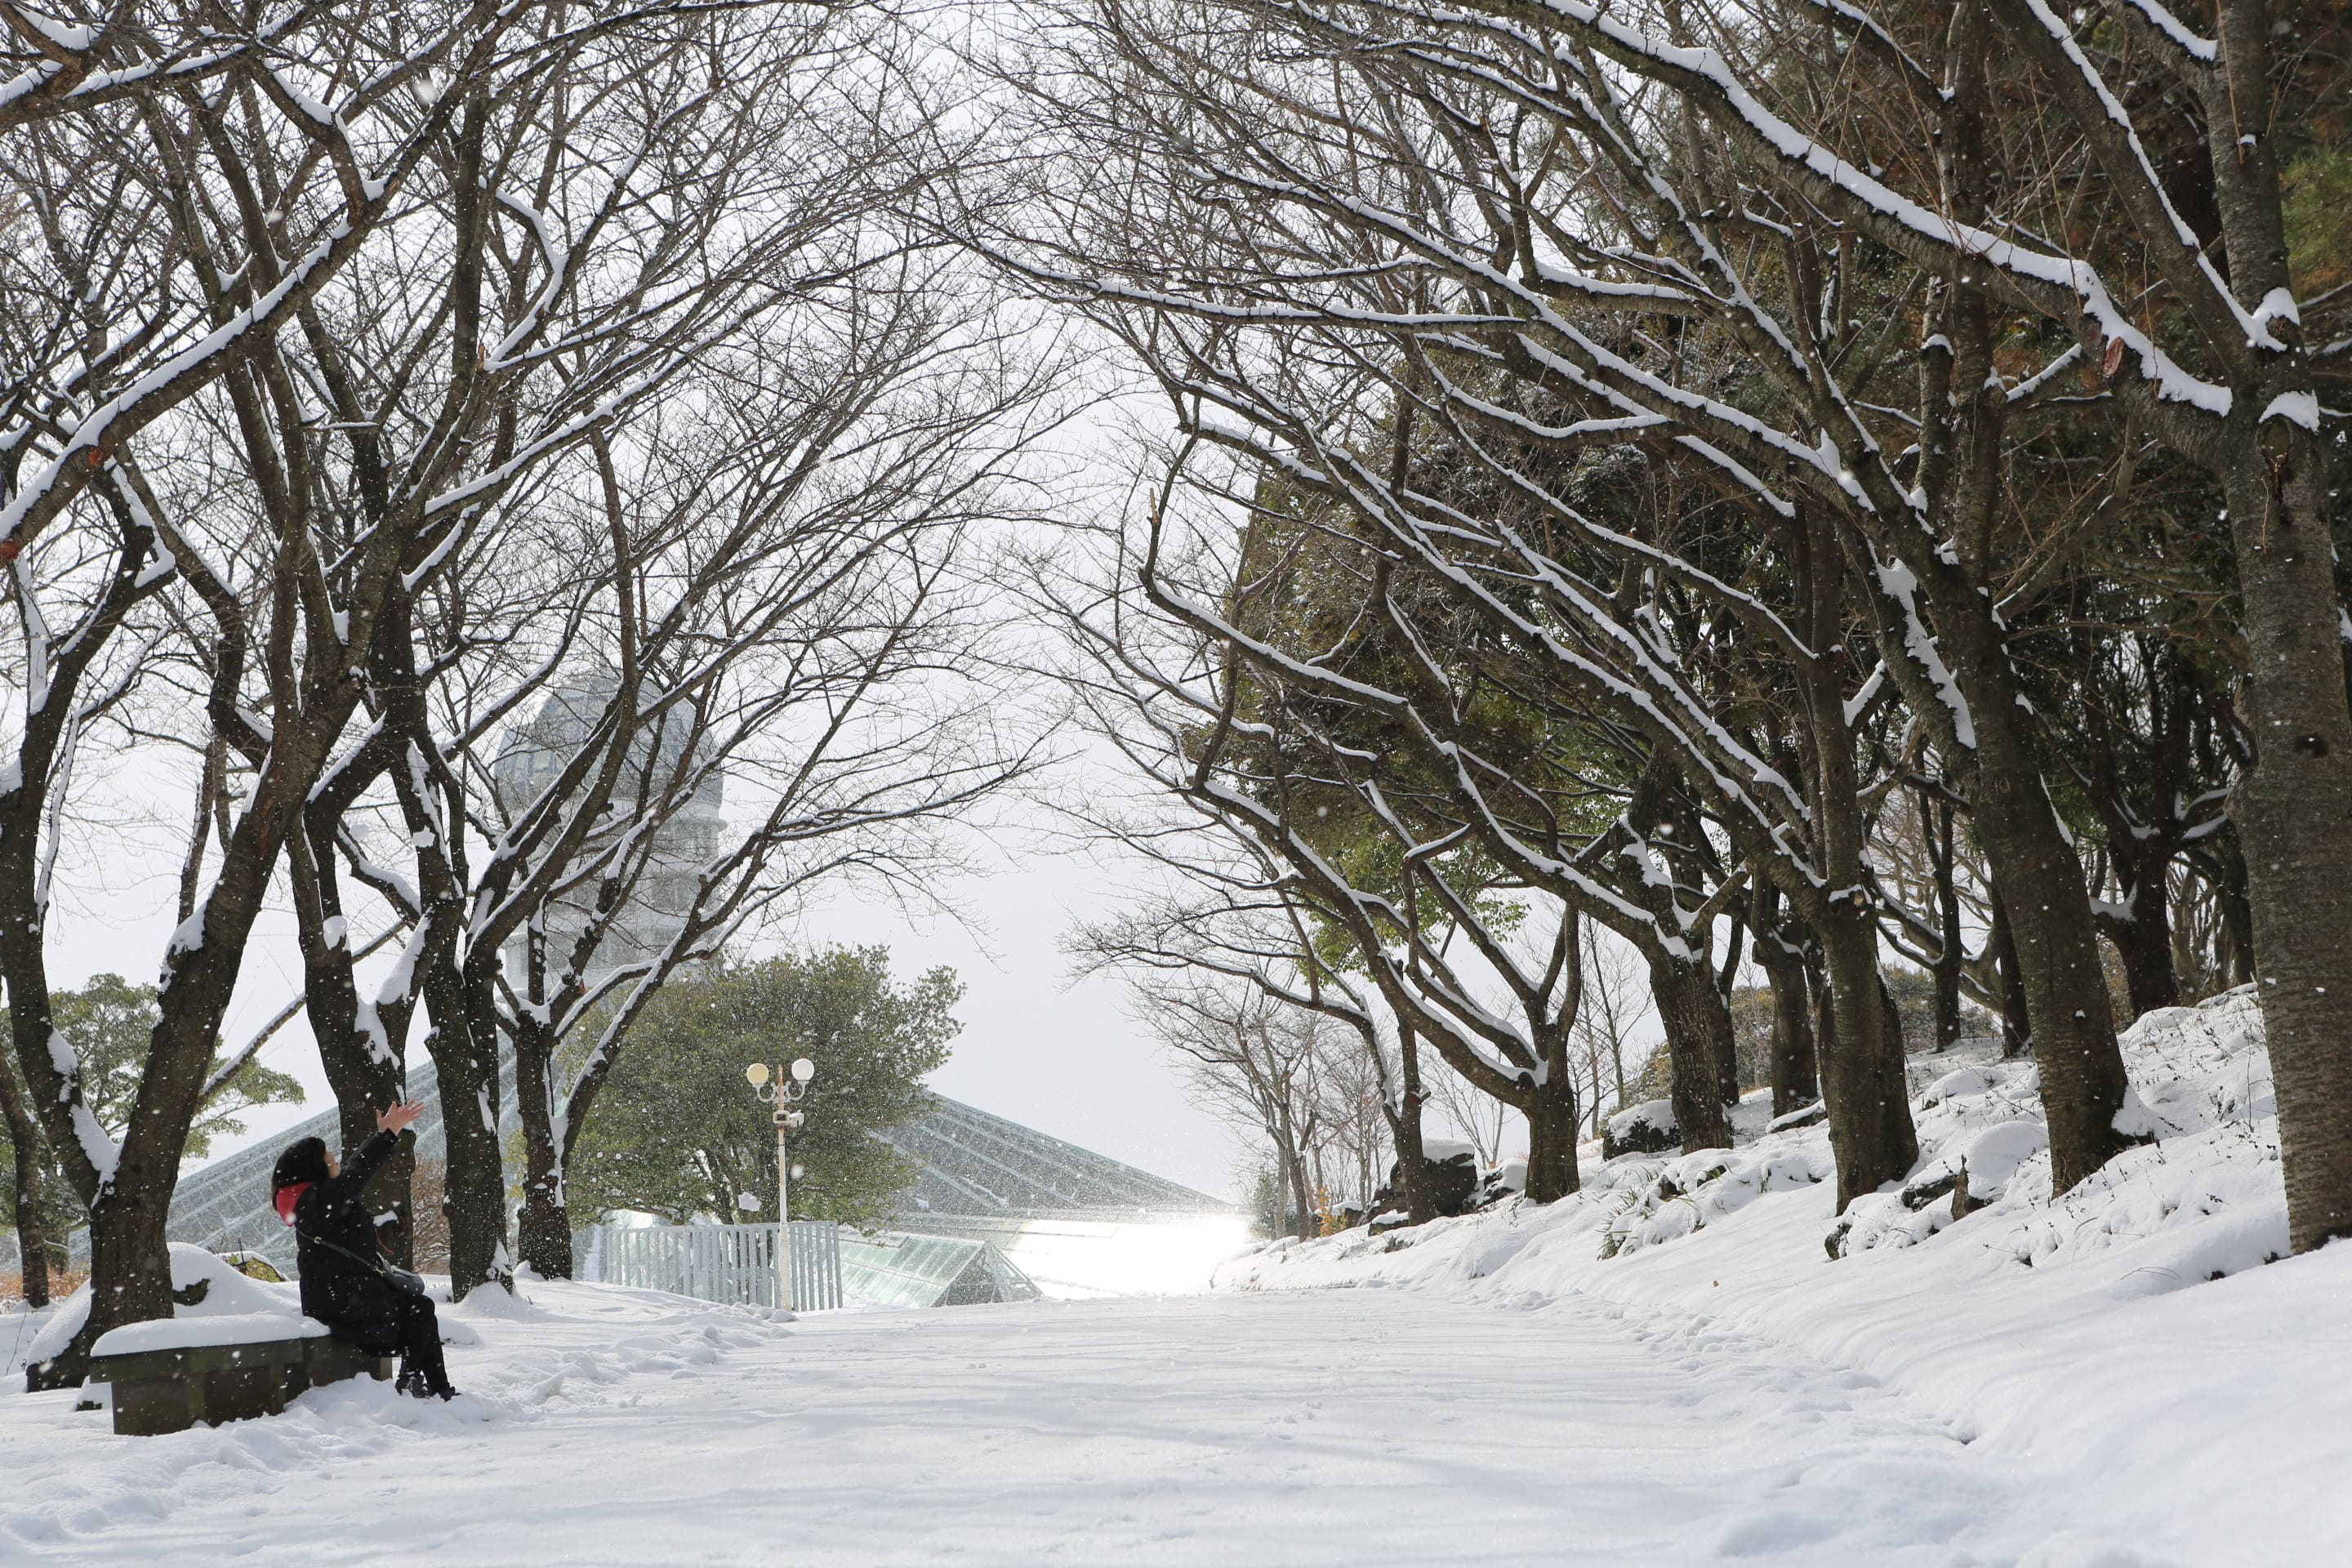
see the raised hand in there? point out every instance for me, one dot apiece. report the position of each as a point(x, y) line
point(395, 1117)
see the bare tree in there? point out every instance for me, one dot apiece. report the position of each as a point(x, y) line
point(1270, 1070)
point(1616, 1003)
point(251, 205)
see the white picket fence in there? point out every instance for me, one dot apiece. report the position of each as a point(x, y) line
point(734, 1263)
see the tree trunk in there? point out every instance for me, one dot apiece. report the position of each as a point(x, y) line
point(1308, 1224)
point(2143, 941)
point(2237, 946)
point(2057, 953)
point(1552, 1113)
point(1404, 1129)
point(474, 1196)
point(1870, 1133)
point(1795, 1082)
point(2291, 808)
point(1935, 824)
point(1791, 1073)
point(1692, 1051)
point(1990, 738)
point(24, 1142)
point(543, 1228)
point(2032, 866)
point(1892, 1044)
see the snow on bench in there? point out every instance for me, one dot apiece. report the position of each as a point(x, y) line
point(192, 1333)
point(233, 1349)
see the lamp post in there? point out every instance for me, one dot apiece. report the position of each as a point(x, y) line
point(788, 1085)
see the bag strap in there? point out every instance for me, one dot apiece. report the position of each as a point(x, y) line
point(374, 1264)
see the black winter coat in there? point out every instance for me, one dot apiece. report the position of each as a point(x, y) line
point(334, 1245)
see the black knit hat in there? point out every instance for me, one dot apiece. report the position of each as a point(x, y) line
point(304, 1160)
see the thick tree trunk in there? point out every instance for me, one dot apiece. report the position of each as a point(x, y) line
point(1404, 1129)
point(1892, 1044)
point(2056, 946)
point(1791, 1072)
point(474, 1196)
point(1692, 1049)
point(543, 1228)
point(1795, 1081)
point(543, 1232)
point(1308, 1223)
point(1552, 1113)
point(1935, 824)
point(1870, 1133)
point(1280, 1223)
point(25, 1142)
point(2291, 810)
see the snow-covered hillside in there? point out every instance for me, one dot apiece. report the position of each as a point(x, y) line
point(2125, 1337)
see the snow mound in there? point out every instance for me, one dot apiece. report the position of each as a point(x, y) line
point(266, 1312)
point(587, 1351)
point(1643, 1129)
point(2200, 1091)
point(1661, 1201)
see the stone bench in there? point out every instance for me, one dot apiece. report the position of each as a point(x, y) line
point(242, 1369)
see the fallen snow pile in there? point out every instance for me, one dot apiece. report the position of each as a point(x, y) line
point(212, 1304)
point(2056, 1328)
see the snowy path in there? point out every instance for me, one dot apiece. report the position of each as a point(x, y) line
point(1335, 1427)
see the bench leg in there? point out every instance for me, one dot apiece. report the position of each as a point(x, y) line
point(149, 1407)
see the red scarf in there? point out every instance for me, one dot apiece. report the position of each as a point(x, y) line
point(288, 1196)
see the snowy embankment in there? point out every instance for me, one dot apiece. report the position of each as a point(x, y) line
point(2124, 1339)
point(70, 1482)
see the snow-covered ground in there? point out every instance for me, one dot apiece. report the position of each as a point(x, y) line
point(1334, 1427)
point(2034, 1385)
point(2134, 1352)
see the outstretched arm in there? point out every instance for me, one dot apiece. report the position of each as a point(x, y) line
point(390, 1123)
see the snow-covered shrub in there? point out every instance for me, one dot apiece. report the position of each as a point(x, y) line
point(1648, 1127)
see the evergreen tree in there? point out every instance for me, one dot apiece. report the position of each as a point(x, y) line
point(678, 1132)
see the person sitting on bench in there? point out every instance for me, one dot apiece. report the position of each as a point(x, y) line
point(346, 1282)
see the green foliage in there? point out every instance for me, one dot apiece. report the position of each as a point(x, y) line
point(2318, 192)
point(676, 1131)
point(1265, 1194)
point(1751, 1031)
point(1307, 582)
point(109, 1022)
